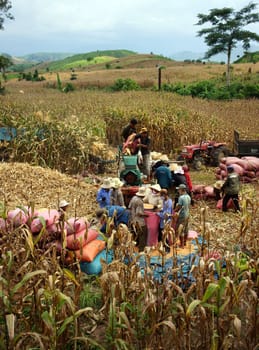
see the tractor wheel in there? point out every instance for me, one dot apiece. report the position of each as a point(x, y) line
point(198, 163)
point(218, 154)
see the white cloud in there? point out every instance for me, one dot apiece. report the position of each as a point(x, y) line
point(65, 25)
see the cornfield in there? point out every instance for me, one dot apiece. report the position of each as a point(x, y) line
point(136, 303)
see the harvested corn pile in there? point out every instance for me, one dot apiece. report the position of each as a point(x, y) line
point(23, 184)
point(102, 150)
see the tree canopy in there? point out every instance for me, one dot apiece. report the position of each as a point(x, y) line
point(227, 29)
point(5, 6)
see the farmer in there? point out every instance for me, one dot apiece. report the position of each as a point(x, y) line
point(144, 147)
point(178, 179)
point(183, 210)
point(137, 218)
point(165, 213)
point(63, 205)
point(153, 196)
point(231, 189)
point(163, 175)
point(116, 193)
point(103, 196)
point(129, 129)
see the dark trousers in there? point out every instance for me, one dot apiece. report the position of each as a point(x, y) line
point(234, 198)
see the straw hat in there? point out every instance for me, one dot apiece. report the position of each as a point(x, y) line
point(141, 192)
point(63, 203)
point(164, 158)
point(173, 166)
point(106, 184)
point(156, 187)
point(142, 130)
point(218, 184)
point(116, 183)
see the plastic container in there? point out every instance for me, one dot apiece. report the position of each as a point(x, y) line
point(130, 161)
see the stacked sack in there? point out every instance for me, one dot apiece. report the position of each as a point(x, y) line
point(82, 240)
point(246, 167)
point(203, 192)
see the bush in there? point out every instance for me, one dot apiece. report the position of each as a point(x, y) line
point(68, 87)
point(125, 85)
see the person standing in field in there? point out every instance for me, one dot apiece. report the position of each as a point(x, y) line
point(137, 218)
point(103, 196)
point(165, 213)
point(144, 147)
point(116, 193)
point(129, 129)
point(231, 189)
point(183, 212)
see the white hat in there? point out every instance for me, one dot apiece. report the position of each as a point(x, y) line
point(63, 203)
point(141, 192)
point(181, 187)
point(106, 184)
point(156, 187)
point(116, 182)
point(179, 170)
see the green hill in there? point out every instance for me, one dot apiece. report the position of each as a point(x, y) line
point(90, 58)
point(96, 60)
point(249, 57)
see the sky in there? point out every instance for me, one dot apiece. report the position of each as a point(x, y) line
point(78, 26)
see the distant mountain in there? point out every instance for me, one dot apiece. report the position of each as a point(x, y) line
point(46, 56)
point(222, 57)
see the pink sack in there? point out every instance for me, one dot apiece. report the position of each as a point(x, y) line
point(231, 160)
point(223, 166)
point(249, 173)
point(74, 225)
point(81, 238)
point(49, 216)
point(229, 205)
point(2, 224)
point(198, 188)
point(223, 174)
point(17, 217)
point(253, 162)
point(238, 169)
point(209, 191)
point(192, 234)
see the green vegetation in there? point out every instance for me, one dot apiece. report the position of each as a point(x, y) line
point(213, 90)
point(90, 58)
point(125, 85)
point(228, 27)
point(5, 6)
point(249, 57)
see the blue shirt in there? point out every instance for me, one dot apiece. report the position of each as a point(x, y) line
point(184, 202)
point(163, 176)
point(103, 197)
point(167, 209)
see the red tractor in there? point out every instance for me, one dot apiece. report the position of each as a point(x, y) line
point(204, 153)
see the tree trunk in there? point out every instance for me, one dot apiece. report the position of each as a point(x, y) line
point(228, 66)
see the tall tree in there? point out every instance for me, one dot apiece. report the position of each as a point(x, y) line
point(5, 6)
point(227, 29)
